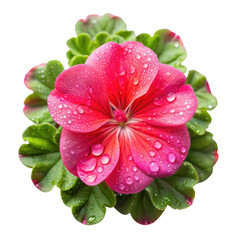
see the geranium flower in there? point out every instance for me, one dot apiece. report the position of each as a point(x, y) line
point(123, 116)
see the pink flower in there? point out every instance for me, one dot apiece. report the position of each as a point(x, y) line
point(123, 116)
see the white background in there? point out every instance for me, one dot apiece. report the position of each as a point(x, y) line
point(33, 32)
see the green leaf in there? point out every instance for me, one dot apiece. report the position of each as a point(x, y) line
point(79, 59)
point(199, 122)
point(89, 203)
point(176, 191)
point(167, 46)
point(203, 155)
point(42, 154)
point(126, 35)
point(139, 205)
point(199, 84)
point(143, 211)
point(80, 45)
point(95, 24)
point(124, 202)
point(41, 80)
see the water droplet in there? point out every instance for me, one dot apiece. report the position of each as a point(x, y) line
point(181, 113)
point(130, 158)
point(188, 107)
point(145, 65)
point(129, 180)
point(121, 186)
point(138, 56)
point(183, 149)
point(105, 159)
point(171, 157)
point(75, 112)
point(97, 149)
point(176, 44)
point(157, 145)
point(91, 178)
point(172, 111)
point(100, 169)
point(135, 81)
point(134, 169)
point(122, 73)
point(80, 110)
point(132, 69)
point(72, 151)
point(149, 59)
point(152, 153)
point(89, 165)
point(148, 139)
point(149, 118)
point(60, 106)
point(153, 166)
point(69, 121)
point(130, 45)
point(149, 128)
point(157, 101)
point(136, 177)
point(210, 106)
point(171, 97)
point(168, 73)
point(91, 219)
point(90, 90)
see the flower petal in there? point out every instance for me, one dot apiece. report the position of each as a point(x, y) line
point(79, 103)
point(168, 107)
point(91, 156)
point(126, 177)
point(157, 151)
point(128, 70)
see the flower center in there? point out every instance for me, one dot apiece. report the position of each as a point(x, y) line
point(120, 116)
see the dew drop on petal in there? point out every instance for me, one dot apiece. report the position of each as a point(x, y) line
point(171, 97)
point(138, 56)
point(171, 157)
point(157, 101)
point(100, 169)
point(145, 65)
point(97, 149)
point(72, 151)
point(60, 106)
point(172, 111)
point(91, 178)
point(153, 166)
point(130, 158)
point(183, 149)
point(121, 186)
point(136, 177)
point(75, 112)
point(80, 110)
point(129, 180)
point(89, 165)
point(134, 168)
point(132, 69)
point(69, 121)
point(105, 159)
point(152, 153)
point(135, 81)
point(157, 145)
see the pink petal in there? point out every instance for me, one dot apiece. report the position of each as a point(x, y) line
point(172, 109)
point(158, 151)
point(79, 103)
point(127, 69)
point(127, 177)
point(91, 156)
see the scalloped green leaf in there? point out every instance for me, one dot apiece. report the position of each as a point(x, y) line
point(176, 191)
point(41, 153)
point(139, 205)
point(80, 45)
point(41, 80)
point(124, 202)
point(94, 24)
point(79, 59)
point(167, 46)
point(199, 122)
point(199, 84)
point(203, 155)
point(88, 203)
point(143, 211)
point(126, 35)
